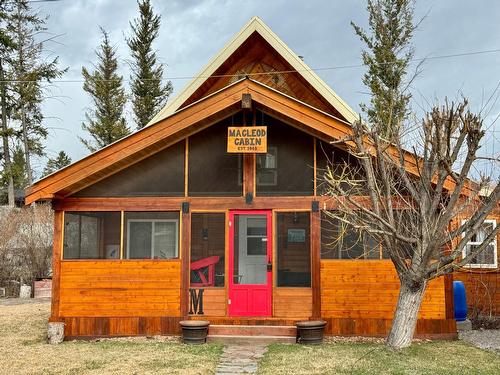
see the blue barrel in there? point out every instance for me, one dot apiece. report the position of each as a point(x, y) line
point(459, 301)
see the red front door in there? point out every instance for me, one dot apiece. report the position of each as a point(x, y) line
point(250, 259)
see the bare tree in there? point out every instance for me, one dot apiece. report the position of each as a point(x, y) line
point(408, 201)
point(25, 243)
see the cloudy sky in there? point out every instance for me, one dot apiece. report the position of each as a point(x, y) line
point(194, 30)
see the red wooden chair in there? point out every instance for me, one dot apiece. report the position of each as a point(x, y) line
point(199, 268)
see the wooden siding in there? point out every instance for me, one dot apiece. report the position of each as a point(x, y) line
point(482, 285)
point(256, 58)
point(369, 289)
point(214, 302)
point(292, 303)
point(85, 327)
point(482, 290)
point(374, 327)
point(56, 265)
point(126, 288)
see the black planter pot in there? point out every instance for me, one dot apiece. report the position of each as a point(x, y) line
point(194, 331)
point(310, 332)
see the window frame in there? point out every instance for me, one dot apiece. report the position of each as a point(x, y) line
point(153, 221)
point(272, 171)
point(276, 256)
point(475, 243)
point(80, 214)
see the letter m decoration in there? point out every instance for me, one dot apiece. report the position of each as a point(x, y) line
point(196, 301)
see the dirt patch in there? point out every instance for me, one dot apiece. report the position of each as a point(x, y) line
point(22, 301)
point(25, 351)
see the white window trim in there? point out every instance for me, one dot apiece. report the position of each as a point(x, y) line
point(175, 221)
point(494, 243)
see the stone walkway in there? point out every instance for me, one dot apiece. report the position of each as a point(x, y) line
point(240, 359)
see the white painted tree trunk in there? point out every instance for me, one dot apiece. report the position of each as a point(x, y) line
point(405, 316)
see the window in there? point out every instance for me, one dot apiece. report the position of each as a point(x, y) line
point(340, 241)
point(256, 236)
point(151, 235)
point(91, 235)
point(293, 249)
point(287, 169)
point(488, 257)
point(267, 164)
point(208, 249)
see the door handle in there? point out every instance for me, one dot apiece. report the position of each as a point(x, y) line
point(269, 266)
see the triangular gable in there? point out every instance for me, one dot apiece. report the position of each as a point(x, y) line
point(256, 29)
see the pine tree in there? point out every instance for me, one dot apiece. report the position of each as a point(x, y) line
point(19, 168)
point(54, 164)
point(148, 93)
point(28, 70)
point(387, 59)
point(105, 123)
point(6, 47)
point(18, 171)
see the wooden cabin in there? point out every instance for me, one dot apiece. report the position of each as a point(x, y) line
point(215, 211)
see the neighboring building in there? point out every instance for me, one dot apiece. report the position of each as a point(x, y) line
point(145, 224)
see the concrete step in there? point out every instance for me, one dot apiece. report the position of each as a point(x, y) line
point(252, 340)
point(254, 330)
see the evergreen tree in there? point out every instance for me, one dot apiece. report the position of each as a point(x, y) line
point(28, 70)
point(105, 122)
point(54, 164)
point(18, 172)
point(6, 47)
point(19, 168)
point(148, 93)
point(387, 59)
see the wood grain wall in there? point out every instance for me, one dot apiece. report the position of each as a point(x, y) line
point(214, 302)
point(293, 303)
point(369, 289)
point(482, 290)
point(126, 288)
point(482, 285)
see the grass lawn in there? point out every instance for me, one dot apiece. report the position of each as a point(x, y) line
point(23, 350)
point(437, 357)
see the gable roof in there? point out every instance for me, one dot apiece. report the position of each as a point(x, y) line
point(178, 126)
point(182, 118)
point(256, 25)
point(187, 121)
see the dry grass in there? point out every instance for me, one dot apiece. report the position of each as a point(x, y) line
point(23, 350)
point(436, 357)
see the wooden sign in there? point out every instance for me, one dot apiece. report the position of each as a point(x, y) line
point(247, 139)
